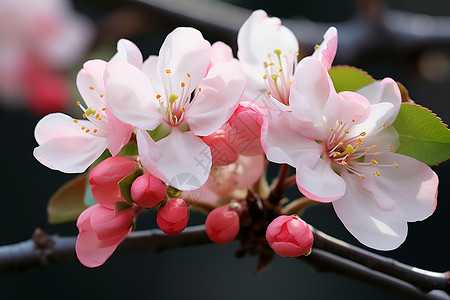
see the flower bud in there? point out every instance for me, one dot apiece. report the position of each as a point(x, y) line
point(223, 152)
point(104, 179)
point(147, 191)
point(222, 223)
point(173, 216)
point(289, 236)
point(245, 133)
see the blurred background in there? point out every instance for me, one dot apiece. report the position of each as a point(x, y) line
point(43, 48)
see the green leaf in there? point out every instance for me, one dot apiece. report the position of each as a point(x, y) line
point(126, 182)
point(119, 206)
point(160, 132)
point(67, 203)
point(346, 78)
point(422, 134)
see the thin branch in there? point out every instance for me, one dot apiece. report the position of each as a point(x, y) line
point(329, 254)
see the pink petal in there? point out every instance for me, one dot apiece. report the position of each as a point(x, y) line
point(91, 76)
point(327, 50)
point(352, 106)
point(149, 69)
point(385, 90)
point(129, 52)
point(184, 51)
point(57, 125)
point(149, 153)
point(412, 186)
point(310, 97)
point(185, 160)
point(220, 52)
point(379, 114)
point(119, 133)
point(373, 226)
point(130, 96)
point(317, 180)
point(109, 225)
point(259, 36)
point(220, 93)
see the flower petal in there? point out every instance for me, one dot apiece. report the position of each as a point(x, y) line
point(119, 133)
point(185, 160)
point(317, 180)
point(412, 185)
point(149, 153)
point(385, 90)
point(220, 52)
point(129, 52)
point(131, 97)
point(90, 83)
point(64, 147)
point(149, 69)
point(379, 114)
point(184, 51)
point(366, 221)
point(327, 50)
point(283, 144)
point(220, 93)
point(258, 37)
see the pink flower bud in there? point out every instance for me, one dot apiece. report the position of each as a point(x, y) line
point(222, 223)
point(104, 179)
point(147, 191)
point(245, 133)
point(173, 217)
point(289, 236)
point(223, 152)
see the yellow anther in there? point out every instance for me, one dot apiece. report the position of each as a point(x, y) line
point(168, 71)
point(384, 125)
point(374, 146)
point(95, 130)
point(158, 96)
point(87, 130)
point(183, 84)
point(75, 121)
point(340, 123)
point(99, 119)
point(374, 162)
point(390, 147)
point(353, 120)
point(83, 128)
point(331, 129)
point(101, 95)
point(91, 87)
point(104, 109)
point(97, 115)
point(271, 64)
point(363, 133)
point(84, 116)
point(188, 75)
point(346, 131)
point(265, 76)
point(396, 165)
point(296, 53)
point(360, 141)
point(370, 149)
point(290, 82)
point(376, 154)
point(266, 64)
point(78, 103)
point(376, 173)
point(280, 70)
point(362, 176)
point(316, 47)
point(199, 89)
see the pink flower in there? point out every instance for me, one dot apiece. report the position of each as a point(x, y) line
point(71, 145)
point(158, 99)
point(48, 33)
point(326, 51)
point(289, 236)
point(147, 191)
point(222, 223)
point(342, 148)
point(173, 216)
point(101, 231)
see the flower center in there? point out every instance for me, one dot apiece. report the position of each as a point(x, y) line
point(173, 106)
point(279, 70)
point(97, 118)
point(348, 150)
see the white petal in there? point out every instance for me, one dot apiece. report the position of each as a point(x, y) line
point(90, 83)
point(327, 50)
point(385, 90)
point(129, 52)
point(184, 51)
point(185, 160)
point(220, 93)
point(149, 153)
point(58, 125)
point(130, 96)
point(259, 36)
point(379, 114)
point(366, 220)
point(149, 69)
point(412, 186)
point(316, 178)
point(282, 143)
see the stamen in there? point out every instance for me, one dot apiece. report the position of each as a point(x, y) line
point(390, 147)
point(363, 133)
point(188, 75)
point(91, 87)
point(395, 165)
point(158, 96)
point(316, 47)
point(101, 95)
point(376, 154)
point(75, 121)
point(104, 109)
point(376, 173)
point(290, 82)
point(362, 176)
point(183, 84)
point(346, 131)
point(95, 130)
point(83, 128)
point(84, 116)
point(374, 162)
point(78, 103)
point(87, 130)
point(265, 76)
point(168, 71)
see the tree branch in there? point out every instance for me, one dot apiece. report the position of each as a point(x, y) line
point(329, 254)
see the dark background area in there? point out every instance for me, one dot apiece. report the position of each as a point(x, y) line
point(212, 272)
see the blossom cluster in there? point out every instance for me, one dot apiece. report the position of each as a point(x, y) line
point(204, 124)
